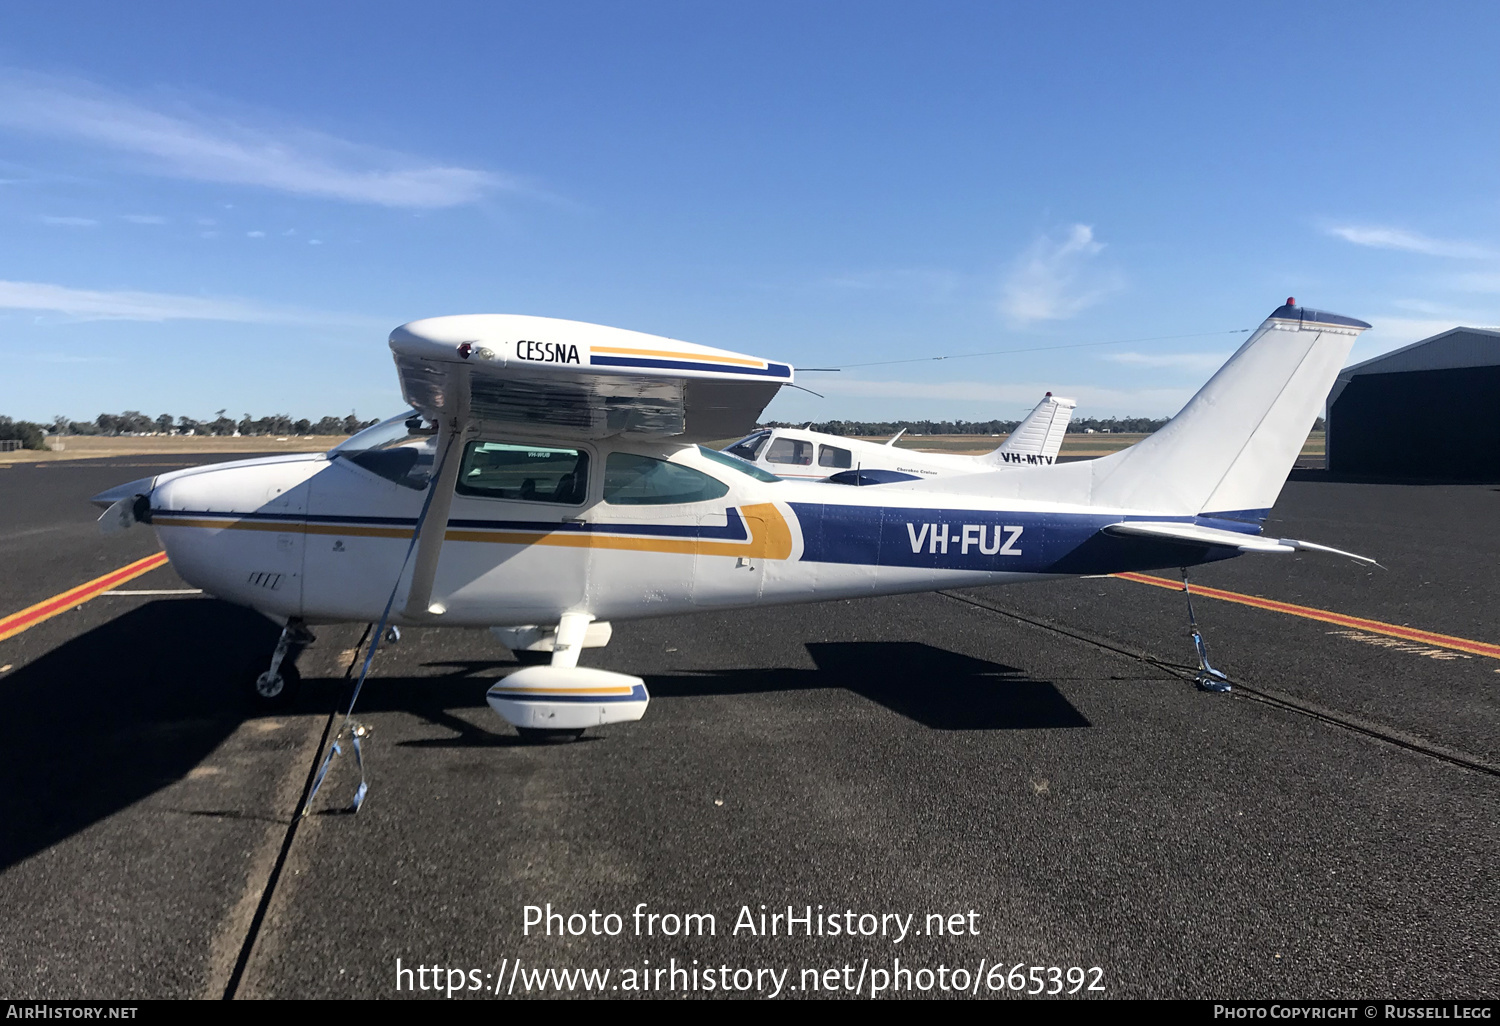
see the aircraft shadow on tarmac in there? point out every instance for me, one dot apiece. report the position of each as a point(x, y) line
point(130, 707)
point(939, 689)
point(936, 688)
point(118, 713)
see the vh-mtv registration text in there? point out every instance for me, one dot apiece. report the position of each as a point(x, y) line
point(806, 921)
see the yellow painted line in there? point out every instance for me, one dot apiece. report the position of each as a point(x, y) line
point(1482, 648)
point(29, 617)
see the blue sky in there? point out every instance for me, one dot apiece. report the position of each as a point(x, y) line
point(205, 207)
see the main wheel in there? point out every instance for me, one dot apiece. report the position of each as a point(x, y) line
point(526, 657)
point(278, 691)
point(549, 736)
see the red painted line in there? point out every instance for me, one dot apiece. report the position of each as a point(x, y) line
point(15, 623)
point(1482, 648)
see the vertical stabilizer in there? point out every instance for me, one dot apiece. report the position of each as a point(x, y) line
point(1233, 444)
point(1039, 436)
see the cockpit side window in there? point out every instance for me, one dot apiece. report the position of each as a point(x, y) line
point(631, 480)
point(791, 450)
point(527, 473)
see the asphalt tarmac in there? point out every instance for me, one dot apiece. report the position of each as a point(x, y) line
point(1031, 764)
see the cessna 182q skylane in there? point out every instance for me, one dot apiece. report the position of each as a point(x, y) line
point(548, 481)
point(803, 453)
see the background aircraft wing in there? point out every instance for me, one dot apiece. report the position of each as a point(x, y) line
point(568, 379)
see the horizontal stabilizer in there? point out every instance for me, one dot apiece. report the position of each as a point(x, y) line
point(1304, 546)
point(1197, 534)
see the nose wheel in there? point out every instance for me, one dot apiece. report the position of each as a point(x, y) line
point(276, 688)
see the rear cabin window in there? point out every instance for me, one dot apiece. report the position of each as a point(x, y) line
point(528, 473)
point(791, 450)
point(833, 456)
point(631, 480)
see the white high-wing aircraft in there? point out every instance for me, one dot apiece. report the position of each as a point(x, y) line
point(803, 453)
point(548, 481)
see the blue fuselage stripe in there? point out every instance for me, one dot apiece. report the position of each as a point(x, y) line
point(775, 370)
point(732, 530)
point(996, 541)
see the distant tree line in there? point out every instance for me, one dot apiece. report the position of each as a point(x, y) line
point(133, 422)
point(24, 431)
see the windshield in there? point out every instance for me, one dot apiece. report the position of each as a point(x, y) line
point(747, 447)
point(399, 449)
point(738, 464)
point(377, 436)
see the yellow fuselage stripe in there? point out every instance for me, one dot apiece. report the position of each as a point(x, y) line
point(770, 537)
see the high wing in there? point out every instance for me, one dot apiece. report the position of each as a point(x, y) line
point(561, 380)
point(569, 379)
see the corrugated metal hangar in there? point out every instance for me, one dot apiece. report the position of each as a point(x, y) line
point(1430, 409)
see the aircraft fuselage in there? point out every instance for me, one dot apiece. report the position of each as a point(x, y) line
point(325, 539)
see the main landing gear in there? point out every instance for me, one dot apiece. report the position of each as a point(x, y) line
point(277, 687)
point(1208, 678)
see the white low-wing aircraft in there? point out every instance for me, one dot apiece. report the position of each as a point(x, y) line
point(548, 480)
point(803, 453)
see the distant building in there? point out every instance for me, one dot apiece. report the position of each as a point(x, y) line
point(1430, 409)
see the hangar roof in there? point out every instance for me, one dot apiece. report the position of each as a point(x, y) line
point(1456, 347)
point(1450, 350)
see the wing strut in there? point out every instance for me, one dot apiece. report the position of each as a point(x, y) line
point(451, 430)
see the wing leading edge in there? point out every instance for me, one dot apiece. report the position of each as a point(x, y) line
point(540, 375)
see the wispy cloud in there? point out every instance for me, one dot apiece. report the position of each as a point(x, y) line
point(1381, 237)
point(1179, 361)
point(91, 305)
point(1056, 279)
point(71, 222)
point(192, 144)
point(143, 219)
